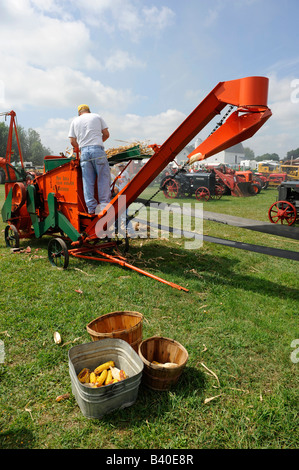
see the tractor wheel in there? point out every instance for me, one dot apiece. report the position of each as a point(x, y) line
point(284, 212)
point(202, 193)
point(171, 188)
point(255, 188)
point(58, 253)
point(219, 191)
point(258, 181)
point(12, 238)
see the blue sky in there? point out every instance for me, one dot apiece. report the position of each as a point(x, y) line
point(145, 65)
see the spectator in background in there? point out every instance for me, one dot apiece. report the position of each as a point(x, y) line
point(122, 180)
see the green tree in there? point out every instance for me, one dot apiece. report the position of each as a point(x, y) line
point(292, 153)
point(30, 142)
point(3, 139)
point(249, 154)
point(36, 150)
point(268, 156)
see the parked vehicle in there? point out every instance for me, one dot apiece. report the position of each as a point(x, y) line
point(185, 184)
point(286, 209)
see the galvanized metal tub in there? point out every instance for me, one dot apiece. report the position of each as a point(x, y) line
point(97, 402)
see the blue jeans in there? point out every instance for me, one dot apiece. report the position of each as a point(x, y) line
point(94, 163)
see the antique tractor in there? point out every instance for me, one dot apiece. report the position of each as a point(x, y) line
point(286, 209)
point(185, 184)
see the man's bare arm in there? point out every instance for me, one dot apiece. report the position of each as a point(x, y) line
point(105, 134)
point(74, 142)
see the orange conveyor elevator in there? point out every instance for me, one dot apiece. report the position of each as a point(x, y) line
point(248, 94)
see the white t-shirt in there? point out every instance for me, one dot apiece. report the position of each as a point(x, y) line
point(87, 129)
point(123, 179)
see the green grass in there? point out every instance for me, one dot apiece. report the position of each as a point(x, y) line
point(238, 319)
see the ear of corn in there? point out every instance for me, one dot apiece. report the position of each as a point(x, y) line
point(105, 374)
point(92, 378)
point(109, 377)
point(101, 378)
point(104, 366)
point(83, 376)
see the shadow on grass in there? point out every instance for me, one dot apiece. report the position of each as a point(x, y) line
point(20, 438)
point(219, 270)
point(179, 264)
point(153, 404)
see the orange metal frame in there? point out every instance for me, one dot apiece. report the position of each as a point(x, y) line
point(248, 94)
point(5, 163)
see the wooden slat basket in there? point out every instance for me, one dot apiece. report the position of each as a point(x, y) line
point(126, 325)
point(162, 350)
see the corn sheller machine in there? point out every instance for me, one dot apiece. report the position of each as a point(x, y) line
point(52, 203)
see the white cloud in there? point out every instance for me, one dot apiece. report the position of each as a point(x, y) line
point(126, 16)
point(128, 128)
point(42, 40)
point(58, 87)
point(156, 128)
point(158, 19)
point(284, 108)
point(280, 133)
point(120, 60)
point(46, 61)
point(54, 135)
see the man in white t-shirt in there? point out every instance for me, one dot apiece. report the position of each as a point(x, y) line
point(88, 132)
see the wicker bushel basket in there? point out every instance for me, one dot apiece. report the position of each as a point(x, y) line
point(124, 325)
point(162, 350)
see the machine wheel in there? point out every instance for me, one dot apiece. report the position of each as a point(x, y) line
point(18, 196)
point(202, 193)
point(58, 253)
point(219, 191)
point(258, 181)
point(282, 211)
point(171, 188)
point(12, 238)
point(256, 188)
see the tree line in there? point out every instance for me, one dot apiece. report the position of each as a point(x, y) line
point(249, 155)
point(31, 146)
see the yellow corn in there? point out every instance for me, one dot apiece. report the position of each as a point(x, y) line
point(92, 378)
point(122, 375)
point(109, 377)
point(104, 366)
point(83, 376)
point(101, 379)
